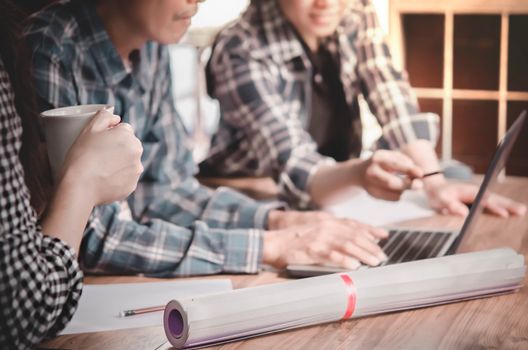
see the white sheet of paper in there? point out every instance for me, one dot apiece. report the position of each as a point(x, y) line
point(367, 209)
point(100, 305)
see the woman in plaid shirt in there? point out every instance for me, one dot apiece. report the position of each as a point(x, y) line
point(288, 74)
point(40, 229)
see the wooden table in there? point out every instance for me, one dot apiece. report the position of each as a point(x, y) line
point(498, 322)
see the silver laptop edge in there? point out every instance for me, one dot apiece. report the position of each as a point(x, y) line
point(496, 165)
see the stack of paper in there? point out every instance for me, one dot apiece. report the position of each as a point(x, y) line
point(100, 305)
point(259, 310)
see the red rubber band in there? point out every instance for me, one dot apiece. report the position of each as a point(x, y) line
point(351, 291)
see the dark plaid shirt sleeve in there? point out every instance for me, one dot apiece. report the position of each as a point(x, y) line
point(253, 103)
point(386, 88)
point(40, 279)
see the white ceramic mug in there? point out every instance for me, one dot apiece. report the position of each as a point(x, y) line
point(62, 126)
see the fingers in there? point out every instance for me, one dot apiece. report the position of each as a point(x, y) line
point(375, 233)
point(417, 184)
point(498, 210)
point(496, 205)
point(364, 250)
point(466, 192)
point(346, 255)
point(451, 205)
point(341, 260)
point(378, 233)
point(388, 181)
point(397, 162)
point(104, 120)
point(333, 243)
point(504, 207)
point(452, 199)
point(390, 173)
point(357, 242)
point(518, 209)
point(456, 208)
point(125, 126)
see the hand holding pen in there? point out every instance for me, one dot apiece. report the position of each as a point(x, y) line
point(387, 174)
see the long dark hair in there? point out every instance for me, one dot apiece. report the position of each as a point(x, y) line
point(17, 61)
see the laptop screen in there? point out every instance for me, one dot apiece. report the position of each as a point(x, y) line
point(497, 164)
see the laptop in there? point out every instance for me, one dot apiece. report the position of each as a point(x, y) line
point(407, 244)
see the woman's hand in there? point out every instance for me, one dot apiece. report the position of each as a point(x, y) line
point(103, 165)
point(387, 174)
point(105, 160)
point(451, 198)
point(325, 241)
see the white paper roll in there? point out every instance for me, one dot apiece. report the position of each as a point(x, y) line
point(249, 312)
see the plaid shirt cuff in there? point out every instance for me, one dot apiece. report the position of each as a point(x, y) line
point(256, 215)
point(294, 183)
point(70, 277)
point(243, 251)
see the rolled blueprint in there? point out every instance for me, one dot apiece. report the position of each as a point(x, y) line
point(248, 312)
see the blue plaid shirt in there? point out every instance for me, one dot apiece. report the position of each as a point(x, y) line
point(171, 225)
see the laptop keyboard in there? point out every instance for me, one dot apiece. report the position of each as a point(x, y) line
point(409, 245)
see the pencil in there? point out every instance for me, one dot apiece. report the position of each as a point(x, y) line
point(144, 310)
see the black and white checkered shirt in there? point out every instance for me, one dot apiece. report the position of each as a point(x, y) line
point(262, 77)
point(40, 280)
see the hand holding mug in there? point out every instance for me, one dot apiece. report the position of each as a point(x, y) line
point(105, 158)
point(89, 149)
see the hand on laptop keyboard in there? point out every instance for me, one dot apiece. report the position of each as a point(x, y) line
point(332, 241)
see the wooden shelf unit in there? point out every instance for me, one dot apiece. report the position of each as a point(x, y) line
point(460, 58)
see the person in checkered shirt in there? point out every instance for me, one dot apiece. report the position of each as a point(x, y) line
point(40, 228)
point(288, 74)
point(105, 52)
